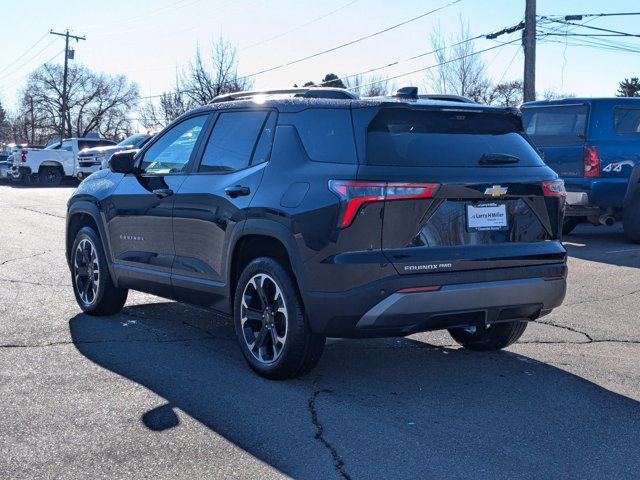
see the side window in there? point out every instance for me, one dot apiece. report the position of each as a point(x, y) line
point(232, 141)
point(171, 153)
point(556, 126)
point(67, 145)
point(263, 149)
point(626, 120)
point(327, 134)
point(82, 144)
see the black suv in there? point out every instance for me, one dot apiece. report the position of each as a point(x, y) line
point(312, 213)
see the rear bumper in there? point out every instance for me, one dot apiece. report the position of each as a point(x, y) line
point(464, 305)
point(465, 298)
point(588, 196)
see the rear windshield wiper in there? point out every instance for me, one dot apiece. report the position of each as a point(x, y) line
point(497, 159)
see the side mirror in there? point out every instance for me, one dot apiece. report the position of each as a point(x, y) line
point(123, 162)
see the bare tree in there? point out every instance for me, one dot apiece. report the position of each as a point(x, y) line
point(96, 102)
point(460, 70)
point(205, 80)
point(170, 105)
point(373, 86)
point(198, 84)
point(508, 93)
point(554, 94)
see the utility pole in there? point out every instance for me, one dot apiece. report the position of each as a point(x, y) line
point(529, 40)
point(33, 127)
point(63, 110)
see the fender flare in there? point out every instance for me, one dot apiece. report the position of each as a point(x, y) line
point(632, 186)
point(92, 209)
point(267, 228)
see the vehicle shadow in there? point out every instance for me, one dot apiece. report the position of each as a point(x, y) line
point(390, 408)
point(602, 244)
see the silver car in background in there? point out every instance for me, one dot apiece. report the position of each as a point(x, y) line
point(94, 159)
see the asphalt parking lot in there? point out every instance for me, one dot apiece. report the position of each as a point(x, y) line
point(161, 390)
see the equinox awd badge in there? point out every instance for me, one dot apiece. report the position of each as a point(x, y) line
point(496, 191)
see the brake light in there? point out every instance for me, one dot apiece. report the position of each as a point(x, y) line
point(23, 156)
point(354, 194)
point(591, 162)
point(554, 188)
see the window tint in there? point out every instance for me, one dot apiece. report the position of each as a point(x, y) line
point(172, 151)
point(232, 140)
point(263, 149)
point(626, 120)
point(67, 145)
point(327, 134)
point(414, 138)
point(556, 125)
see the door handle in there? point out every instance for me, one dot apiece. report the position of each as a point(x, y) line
point(163, 192)
point(237, 191)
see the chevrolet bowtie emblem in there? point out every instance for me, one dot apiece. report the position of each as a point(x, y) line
point(496, 191)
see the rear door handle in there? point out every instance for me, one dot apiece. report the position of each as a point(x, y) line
point(163, 192)
point(237, 191)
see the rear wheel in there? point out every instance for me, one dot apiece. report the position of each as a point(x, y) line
point(489, 337)
point(631, 219)
point(273, 333)
point(92, 285)
point(49, 176)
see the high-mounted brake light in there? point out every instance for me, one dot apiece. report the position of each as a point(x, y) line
point(591, 162)
point(554, 188)
point(354, 194)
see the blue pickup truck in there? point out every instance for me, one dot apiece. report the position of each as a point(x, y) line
point(594, 145)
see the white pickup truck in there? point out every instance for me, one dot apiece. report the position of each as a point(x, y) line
point(49, 166)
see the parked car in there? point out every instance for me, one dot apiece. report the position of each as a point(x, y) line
point(97, 158)
point(5, 164)
point(594, 145)
point(49, 166)
point(309, 213)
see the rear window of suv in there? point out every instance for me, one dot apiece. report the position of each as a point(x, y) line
point(626, 120)
point(556, 126)
point(453, 137)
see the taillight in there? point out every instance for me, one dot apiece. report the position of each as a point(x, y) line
point(23, 157)
point(554, 188)
point(354, 194)
point(591, 162)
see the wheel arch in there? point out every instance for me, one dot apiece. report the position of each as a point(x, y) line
point(87, 214)
point(51, 163)
point(263, 238)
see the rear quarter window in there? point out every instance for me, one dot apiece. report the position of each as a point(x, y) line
point(556, 126)
point(326, 133)
point(626, 121)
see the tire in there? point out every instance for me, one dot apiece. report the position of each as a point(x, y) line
point(492, 337)
point(570, 224)
point(271, 327)
point(49, 177)
point(631, 219)
point(93, 288)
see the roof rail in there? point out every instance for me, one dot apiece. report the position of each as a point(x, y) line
point(305, 92)
point(446, 97)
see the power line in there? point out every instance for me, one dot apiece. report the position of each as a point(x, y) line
point(434, 66)
point(299, 27)
point(591, 27)
point(580, 15)
point(27, 61)
point(19, 79)
point(352, 42)
point(27, 51)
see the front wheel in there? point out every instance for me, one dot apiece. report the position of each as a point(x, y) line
point(273, 333)
point(92, 285)
point(489, 337)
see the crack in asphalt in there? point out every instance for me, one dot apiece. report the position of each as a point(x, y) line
point(599, 300)
point(311, 403)
point(39, 211)
point(565, 327)
point(38, 284)
point(92, 342)
point(33, 255)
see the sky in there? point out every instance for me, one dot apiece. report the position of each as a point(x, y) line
point(149, 41)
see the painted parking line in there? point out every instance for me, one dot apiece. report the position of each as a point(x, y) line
point(623, 251)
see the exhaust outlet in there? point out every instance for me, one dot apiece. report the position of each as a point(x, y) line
point(607, 220)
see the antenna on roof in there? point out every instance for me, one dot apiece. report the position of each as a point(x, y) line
point(410, 93)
